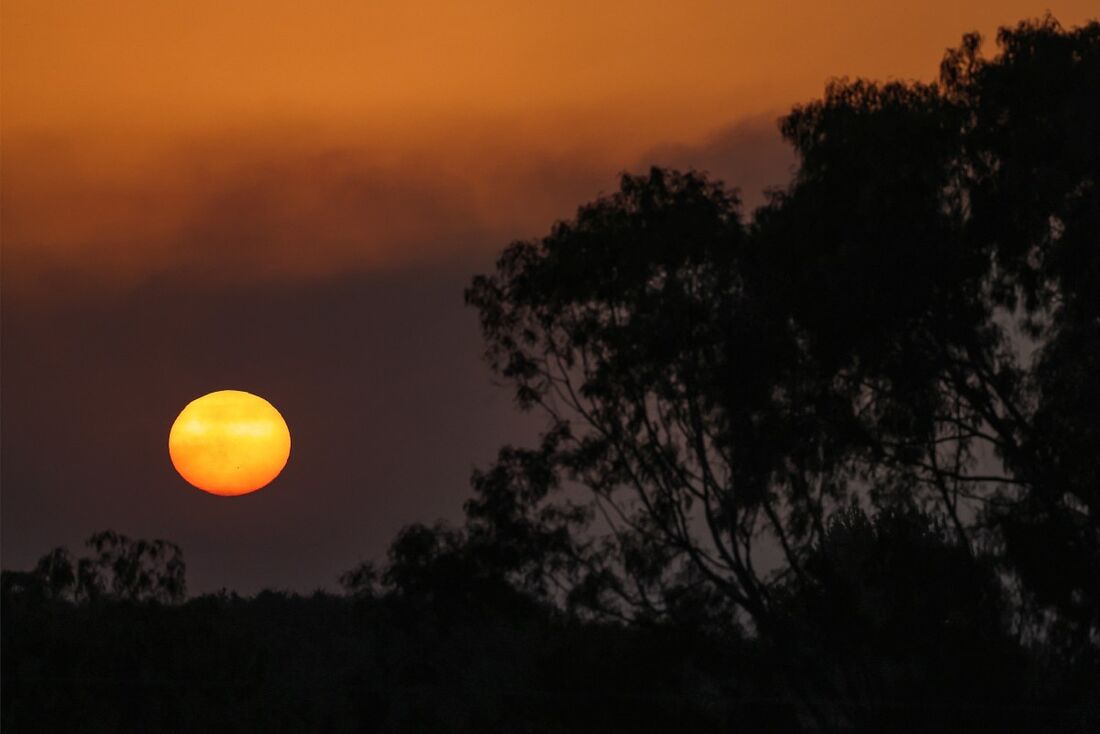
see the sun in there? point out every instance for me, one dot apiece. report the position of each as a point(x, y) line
point(229, 443)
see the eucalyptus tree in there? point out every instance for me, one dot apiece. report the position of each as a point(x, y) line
point(911, 322)
point(119, 568)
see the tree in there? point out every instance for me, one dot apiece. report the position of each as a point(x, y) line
point(1035, 205)
point(121, 568)
point(135, 570)
point(906, 628)
point(621, 326)
point(910, 323)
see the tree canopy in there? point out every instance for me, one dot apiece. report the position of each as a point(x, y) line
point(912, 324)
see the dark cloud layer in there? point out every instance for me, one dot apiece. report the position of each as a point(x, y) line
point(263, 208)
point(268, 208)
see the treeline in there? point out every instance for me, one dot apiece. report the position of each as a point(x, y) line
point(443, 648)
point(438, 640)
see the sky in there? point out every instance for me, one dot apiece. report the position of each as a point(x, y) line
point(289, 199)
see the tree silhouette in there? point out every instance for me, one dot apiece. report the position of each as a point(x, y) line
point(1035, 205)
point(904, 628)
point(121, 569)
point(912, 322)
point(136, 570)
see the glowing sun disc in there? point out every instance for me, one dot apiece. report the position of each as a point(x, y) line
point(229, 442)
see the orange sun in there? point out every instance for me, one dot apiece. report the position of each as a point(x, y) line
point(229, 442)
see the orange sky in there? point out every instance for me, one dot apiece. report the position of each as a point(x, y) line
point(289, 197)
point(276, 137)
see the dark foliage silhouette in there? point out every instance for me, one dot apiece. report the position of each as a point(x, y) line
point(910, 323)
point(121, 568)
point(433, 644)
point(903, 628)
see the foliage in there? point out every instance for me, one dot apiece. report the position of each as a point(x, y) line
point(720, 387)
point(121, 568)
point(912, 324)
point(902, 627)
point(429, 655)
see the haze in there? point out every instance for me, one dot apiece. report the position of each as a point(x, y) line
point(261, 196)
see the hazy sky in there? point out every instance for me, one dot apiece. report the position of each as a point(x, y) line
point(288, 198)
